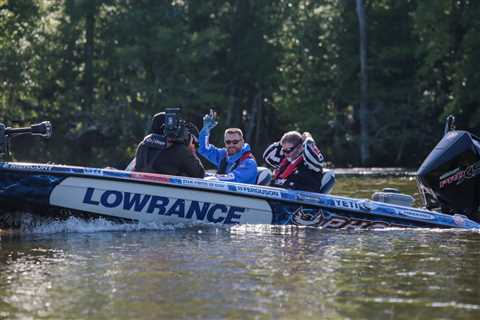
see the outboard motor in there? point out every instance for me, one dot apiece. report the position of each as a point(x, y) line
point(449, 178)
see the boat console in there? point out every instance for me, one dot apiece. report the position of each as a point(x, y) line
point(393, 196)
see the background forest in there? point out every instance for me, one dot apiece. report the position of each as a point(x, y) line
point(372, 80)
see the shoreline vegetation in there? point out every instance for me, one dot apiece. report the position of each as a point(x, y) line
point(371, 92)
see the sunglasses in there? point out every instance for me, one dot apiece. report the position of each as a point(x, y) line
point(289, 150)
point(227, 142)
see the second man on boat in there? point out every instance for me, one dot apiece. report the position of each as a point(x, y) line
point(234, 162)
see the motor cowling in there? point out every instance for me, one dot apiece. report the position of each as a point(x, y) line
point(449, 178)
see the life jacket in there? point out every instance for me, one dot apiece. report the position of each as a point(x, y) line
point(286, 168)
point(222, 167)
point(296, 175)
point(148, 152)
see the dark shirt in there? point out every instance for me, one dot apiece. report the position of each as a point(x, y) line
point(175, 160)
point(302, 178)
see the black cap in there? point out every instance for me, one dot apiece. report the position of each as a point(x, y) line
point(158, 122)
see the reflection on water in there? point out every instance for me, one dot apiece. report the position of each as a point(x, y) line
point(242, 272)
point(80, 271)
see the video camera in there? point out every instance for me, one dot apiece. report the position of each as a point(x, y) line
point(175, 127)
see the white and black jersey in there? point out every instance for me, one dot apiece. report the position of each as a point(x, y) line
point(273, 155)
point(314, 159)
point(303, 173)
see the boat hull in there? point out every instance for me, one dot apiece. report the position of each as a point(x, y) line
point(63, 191)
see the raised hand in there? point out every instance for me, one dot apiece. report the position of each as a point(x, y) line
point(209, 120)
point(306, 135)
point(307, 139)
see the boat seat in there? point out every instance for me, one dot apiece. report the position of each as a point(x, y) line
point(264, 176)
point(328, 181)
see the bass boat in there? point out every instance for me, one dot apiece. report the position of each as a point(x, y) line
point(448, 181)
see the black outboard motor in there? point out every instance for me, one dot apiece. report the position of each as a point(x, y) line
point(449, 178)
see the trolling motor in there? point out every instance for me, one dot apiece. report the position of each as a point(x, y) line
point(43, 129)
point(449, 178)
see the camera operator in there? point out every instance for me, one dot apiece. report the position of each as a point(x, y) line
point(169, 148)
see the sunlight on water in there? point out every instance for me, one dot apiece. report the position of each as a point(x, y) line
point(279, 272)
point(75, 269)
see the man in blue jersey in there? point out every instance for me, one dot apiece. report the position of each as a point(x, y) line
point(235, 161)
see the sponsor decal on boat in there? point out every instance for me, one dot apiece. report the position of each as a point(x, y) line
point(258, 191)
point(316, 217)
point(362, 205)
point(200, 183)
point(93, 171)
point(153, 204)
point(343, 203)
point(149, 177)
point(27, 166)
point(307, 217)
point(307, 197)
point(459, 176)
point(417, 215)
point(347, 223)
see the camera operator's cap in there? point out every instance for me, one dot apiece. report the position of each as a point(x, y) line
point(158, 122)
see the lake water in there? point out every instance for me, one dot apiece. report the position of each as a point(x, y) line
point(78, 270)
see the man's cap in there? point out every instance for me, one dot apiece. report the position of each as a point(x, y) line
point(158, 122)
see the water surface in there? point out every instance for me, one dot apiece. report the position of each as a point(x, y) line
point(101, 271)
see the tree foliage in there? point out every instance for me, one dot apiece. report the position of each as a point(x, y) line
point(99, 69)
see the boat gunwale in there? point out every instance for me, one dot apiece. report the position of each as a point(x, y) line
point(296, 196)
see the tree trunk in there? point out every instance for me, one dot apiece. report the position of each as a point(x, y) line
point(254, 113)
point(363, 111)
point(233, 107)
point(259, 121)
point(88, 77)
point(239, 29)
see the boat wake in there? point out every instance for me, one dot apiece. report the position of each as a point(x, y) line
point(27, 223)
point(30, 224)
